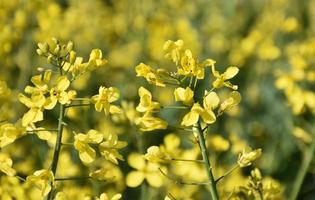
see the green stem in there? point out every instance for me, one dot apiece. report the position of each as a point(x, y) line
point(79, 105)
point(227, 173)
point(182, 182)
point(175, 107)
point(204, 152)
point(72, 178)
point(307, 158)
point(187, 160)
point(57, 147)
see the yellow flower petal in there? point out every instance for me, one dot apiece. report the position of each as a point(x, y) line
point(154, 179)
point(211, 101)
point(134, 178)
point(230, 73)
point(136, 161)
point(184, 95)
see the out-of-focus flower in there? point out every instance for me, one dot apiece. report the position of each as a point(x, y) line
point(157, 154)
point(6, 165)
point(104, 196)
point(149, 123)
point(10, 132)
point(144, 171)
point(173, 50)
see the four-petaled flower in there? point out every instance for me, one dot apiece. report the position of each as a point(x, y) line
point(104, 99)
point(144, 171)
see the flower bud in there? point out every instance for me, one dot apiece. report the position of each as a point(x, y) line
point(57, 50)
point(43, 47)
point(55, 40)
point(39, 52)
point(73, 56)
point(70, 46)
point(40, 69)
point(248, 156)
point(49, 59)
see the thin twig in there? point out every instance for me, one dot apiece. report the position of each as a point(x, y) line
point(72, 178)
point(227, 173)
point(187, 160)
point(182, 182)
point(78, 105)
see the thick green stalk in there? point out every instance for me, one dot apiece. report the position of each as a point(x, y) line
point(307, 158)
point(57, 148)
point(204, 152)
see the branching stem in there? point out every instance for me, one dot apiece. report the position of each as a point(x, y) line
point(204, 152)
point(57, 147)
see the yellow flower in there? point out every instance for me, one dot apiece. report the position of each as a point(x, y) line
point(36, 103)
point(146, 104)
point(40, 82)
point(109, 148)
point(59, 93)
point(191, 66)
point(173, 50)
point(302, 135)
point(188, 64)
point(192, 117)
point(157, 154)
point(105, 197)
point(184, 95)
point(4, 90)
point(104, 99)
point(103, 174)
point(144, 171)
point(222, 79)
point(96, 59)
point(210, 102)
point(82, 141)
point(149, 123)
point(248, 156)
point(151, 75)
point(233, 100)
point(61, 196)
point(10, 132)
point(218, 143)
point(42, 179)
point(6, 165)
